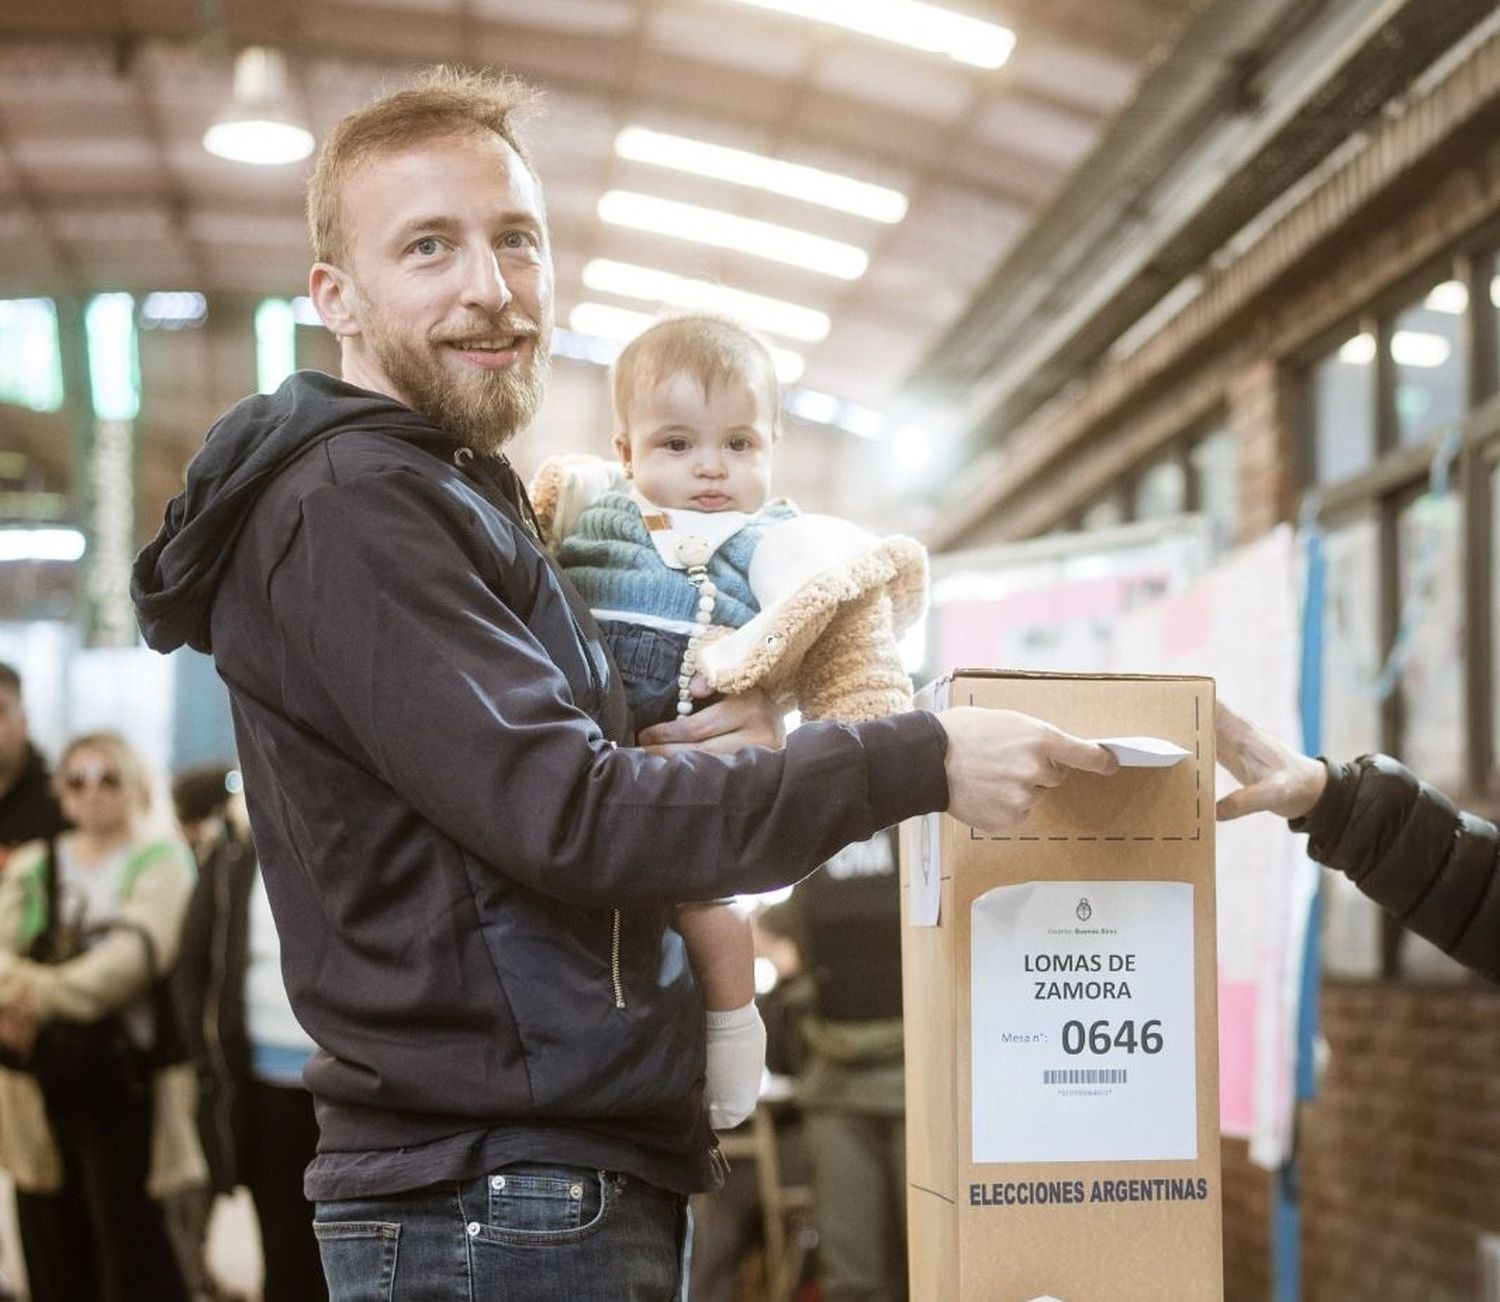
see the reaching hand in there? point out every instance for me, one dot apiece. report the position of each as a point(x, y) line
point(1276, 778)
point(1000, 763)
point(726, 726)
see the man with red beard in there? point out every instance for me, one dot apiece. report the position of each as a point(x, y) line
point(472, 868)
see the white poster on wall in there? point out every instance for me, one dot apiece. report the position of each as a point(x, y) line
point(1084, 1042)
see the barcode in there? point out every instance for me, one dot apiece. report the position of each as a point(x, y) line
point(1086, 1076)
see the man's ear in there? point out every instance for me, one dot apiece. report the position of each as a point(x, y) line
point(332, 294)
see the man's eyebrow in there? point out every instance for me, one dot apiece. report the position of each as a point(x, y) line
point(445, 225)
point(421, 225)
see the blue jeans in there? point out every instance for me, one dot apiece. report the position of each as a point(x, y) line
point(529, 1232)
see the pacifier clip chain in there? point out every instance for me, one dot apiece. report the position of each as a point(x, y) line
point(694, 554)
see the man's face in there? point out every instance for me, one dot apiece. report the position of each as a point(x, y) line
point(12, 734)
point(450, 285)
point(694, 451)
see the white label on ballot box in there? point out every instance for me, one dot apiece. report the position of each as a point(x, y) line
point(1082, 1020)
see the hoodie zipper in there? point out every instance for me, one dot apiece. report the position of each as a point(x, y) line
point(719, 1165)
point(464, 459)
point(614, 959)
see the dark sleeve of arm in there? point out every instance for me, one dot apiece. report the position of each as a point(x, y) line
point(458, 708)
point(1405, 845)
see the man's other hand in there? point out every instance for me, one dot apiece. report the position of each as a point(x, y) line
point(1000, 763)
point(1275, 778)
point(726, 726)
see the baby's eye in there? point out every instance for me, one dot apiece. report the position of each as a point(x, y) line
point(677, 445)
point(741, 443)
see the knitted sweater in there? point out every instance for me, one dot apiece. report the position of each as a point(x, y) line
point(611, 558)
point(833, 600)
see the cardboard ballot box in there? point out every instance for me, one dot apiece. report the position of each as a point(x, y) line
point(1061, 1021)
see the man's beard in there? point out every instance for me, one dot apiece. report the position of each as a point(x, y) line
point(482, 409)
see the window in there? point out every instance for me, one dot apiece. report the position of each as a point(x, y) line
point(1213, 470)
point(30, 359)
point(1160, 491)
point(1343, 410)
point(1493, 309)
point(1431, 686)
point(1105, 513)
point(1351, 638)
point(1429, 362)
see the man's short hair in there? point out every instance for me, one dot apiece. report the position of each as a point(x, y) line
point(711, 348)
point(10, 680)
point(441, 101)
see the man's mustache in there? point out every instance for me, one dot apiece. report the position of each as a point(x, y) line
point(500, 327)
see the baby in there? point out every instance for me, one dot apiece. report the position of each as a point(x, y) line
point(700, 579)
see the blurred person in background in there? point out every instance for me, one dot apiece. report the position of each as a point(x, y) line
point(1400, 840)
point(846, 923)
point(96, 1122)
point(28, 806)
point(255, 1116)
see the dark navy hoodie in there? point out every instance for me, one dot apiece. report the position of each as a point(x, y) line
point(472, 870)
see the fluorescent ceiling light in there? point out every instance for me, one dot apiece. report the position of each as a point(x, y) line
point(173, 309)
point(40, 544)
point(258, 126)
point(910, 23)
point(810, 184)
point(1495, 291)
point(911, 449)
point(1358, 350)
point(810, 404)
point(584, 347)
point(722, 230)
point(773, 315)
point(1418, 348)
point(604, 321)
point(825, 409)
point(1451, 298)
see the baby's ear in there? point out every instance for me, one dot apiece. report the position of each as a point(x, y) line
point(622, 450)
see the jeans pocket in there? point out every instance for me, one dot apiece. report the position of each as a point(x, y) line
point(359, 1259)
point(536, 1205)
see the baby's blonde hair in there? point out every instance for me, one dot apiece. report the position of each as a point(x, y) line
point(711, 349)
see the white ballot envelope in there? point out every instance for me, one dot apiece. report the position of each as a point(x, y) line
point(1144, 752)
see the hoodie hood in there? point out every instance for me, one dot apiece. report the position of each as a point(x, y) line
point(177, 574)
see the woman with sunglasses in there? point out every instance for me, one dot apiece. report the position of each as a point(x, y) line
point(89, 926)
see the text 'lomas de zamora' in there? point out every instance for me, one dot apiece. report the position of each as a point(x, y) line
point(1112, 986)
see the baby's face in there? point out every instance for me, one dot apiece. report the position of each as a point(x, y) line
point(691, 451)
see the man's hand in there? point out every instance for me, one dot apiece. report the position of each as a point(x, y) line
point(1000, 763)
point(726, 726)
point(1276, 778)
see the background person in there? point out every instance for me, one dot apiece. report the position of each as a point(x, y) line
point(255, 1116)
point(28, 804)
point(89, 949)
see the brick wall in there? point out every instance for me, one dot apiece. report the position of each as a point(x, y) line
point(1400, 1153)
